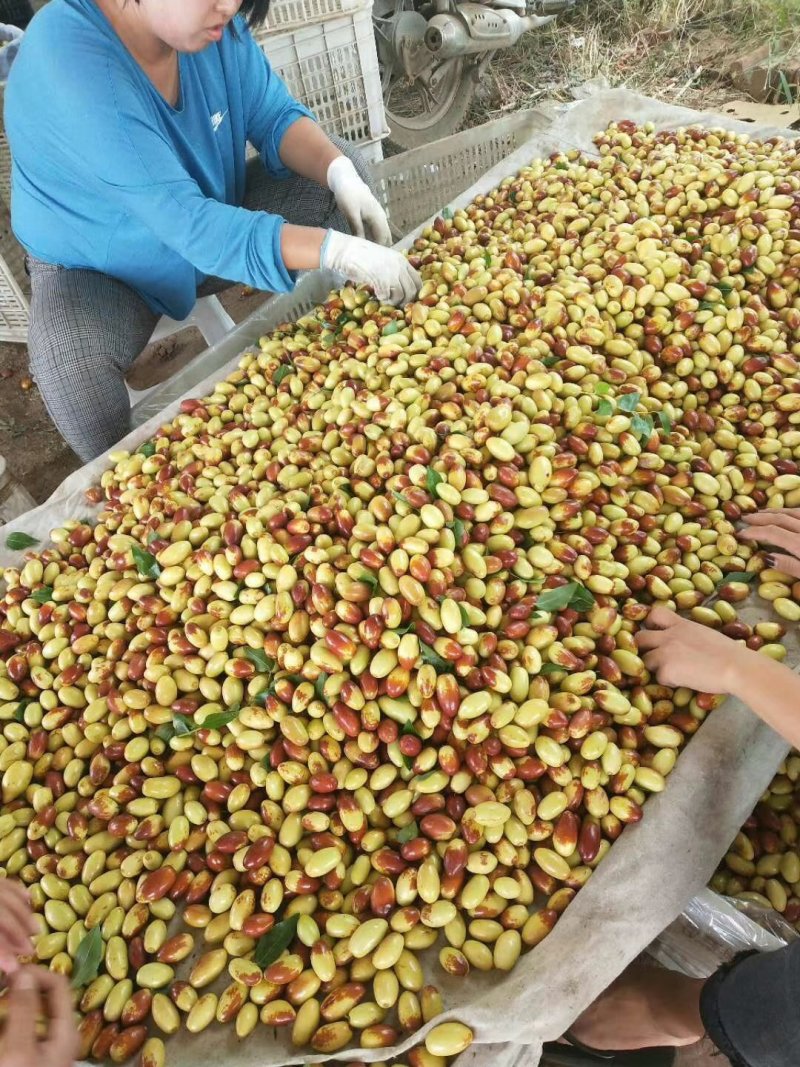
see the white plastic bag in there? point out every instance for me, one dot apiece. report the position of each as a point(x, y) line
point(713, 929)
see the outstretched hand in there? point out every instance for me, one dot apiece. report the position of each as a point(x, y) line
point(36, 994)
point(780, 529)
point(684, 653)
point(17, 925)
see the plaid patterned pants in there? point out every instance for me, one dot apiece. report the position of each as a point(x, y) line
point(87, 328)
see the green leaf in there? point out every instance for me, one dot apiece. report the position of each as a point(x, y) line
point(432, 479)
point(146, 563)
point(447, 213)
point(605, 408)
point(166, 732)
point(786, 89)
point(561, 166)
point(319, 686)
point(572, 595)
point(487, 258)
point(407, 833)
point(628, 402)
point(725, 288)
point(602, 389)
point(551, 668)
point(282, 372)
point(555, 599)
point(550, 361)
point(182, 726)
point(737, 576)
point(220, 718)
point(406, 731)
point(43, 595)
point(87, 520)
point(261, 661)
point(272, 944)
point(152, 537)
point(400, 497)
point(459, 529)
point(263, 695)
point(707, 305)
point(390, 328)
point(88, 958)
point(19, 714)
point(341, 322)
point(642, 427)
point(19, 541)
point(582, 599)
point(666, 422)
point(370, 579)
point(465, 619)
point(147, 449)
point(430, 655)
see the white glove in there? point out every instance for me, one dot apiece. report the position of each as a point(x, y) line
point(10, 40)
point(365, 215)
point(389, 273)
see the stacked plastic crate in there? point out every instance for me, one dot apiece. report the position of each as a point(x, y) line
point(13, 280)
point(324, 50)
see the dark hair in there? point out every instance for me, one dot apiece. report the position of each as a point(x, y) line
point(255, 11)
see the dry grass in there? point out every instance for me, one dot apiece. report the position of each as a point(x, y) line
point(677, 50)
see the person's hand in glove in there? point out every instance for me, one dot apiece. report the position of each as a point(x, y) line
point(10, 40)
point(364, 214)
point(389, 273)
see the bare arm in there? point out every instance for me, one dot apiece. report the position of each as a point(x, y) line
point(771, 690)
point(307, 151)
point(684, 653)
point(301, 246)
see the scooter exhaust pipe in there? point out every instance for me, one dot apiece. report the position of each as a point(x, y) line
point(476, 28)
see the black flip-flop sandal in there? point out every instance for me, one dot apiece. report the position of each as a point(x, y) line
point(576, 1054)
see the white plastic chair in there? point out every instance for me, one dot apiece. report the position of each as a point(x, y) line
point(210, 318)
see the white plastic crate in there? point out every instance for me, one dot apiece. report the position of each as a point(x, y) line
point(289, 14)
point(372, 151)
point(332, 68)
point(14, 314)
point(14, 287)
point(416, 184)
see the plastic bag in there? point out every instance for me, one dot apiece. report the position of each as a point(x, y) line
point(713, 929)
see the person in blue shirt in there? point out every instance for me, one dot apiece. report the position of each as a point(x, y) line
point(128, 122)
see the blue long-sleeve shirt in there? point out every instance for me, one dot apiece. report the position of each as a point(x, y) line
point(108, 176)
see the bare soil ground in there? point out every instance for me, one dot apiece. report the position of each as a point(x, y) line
point(36, 454)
